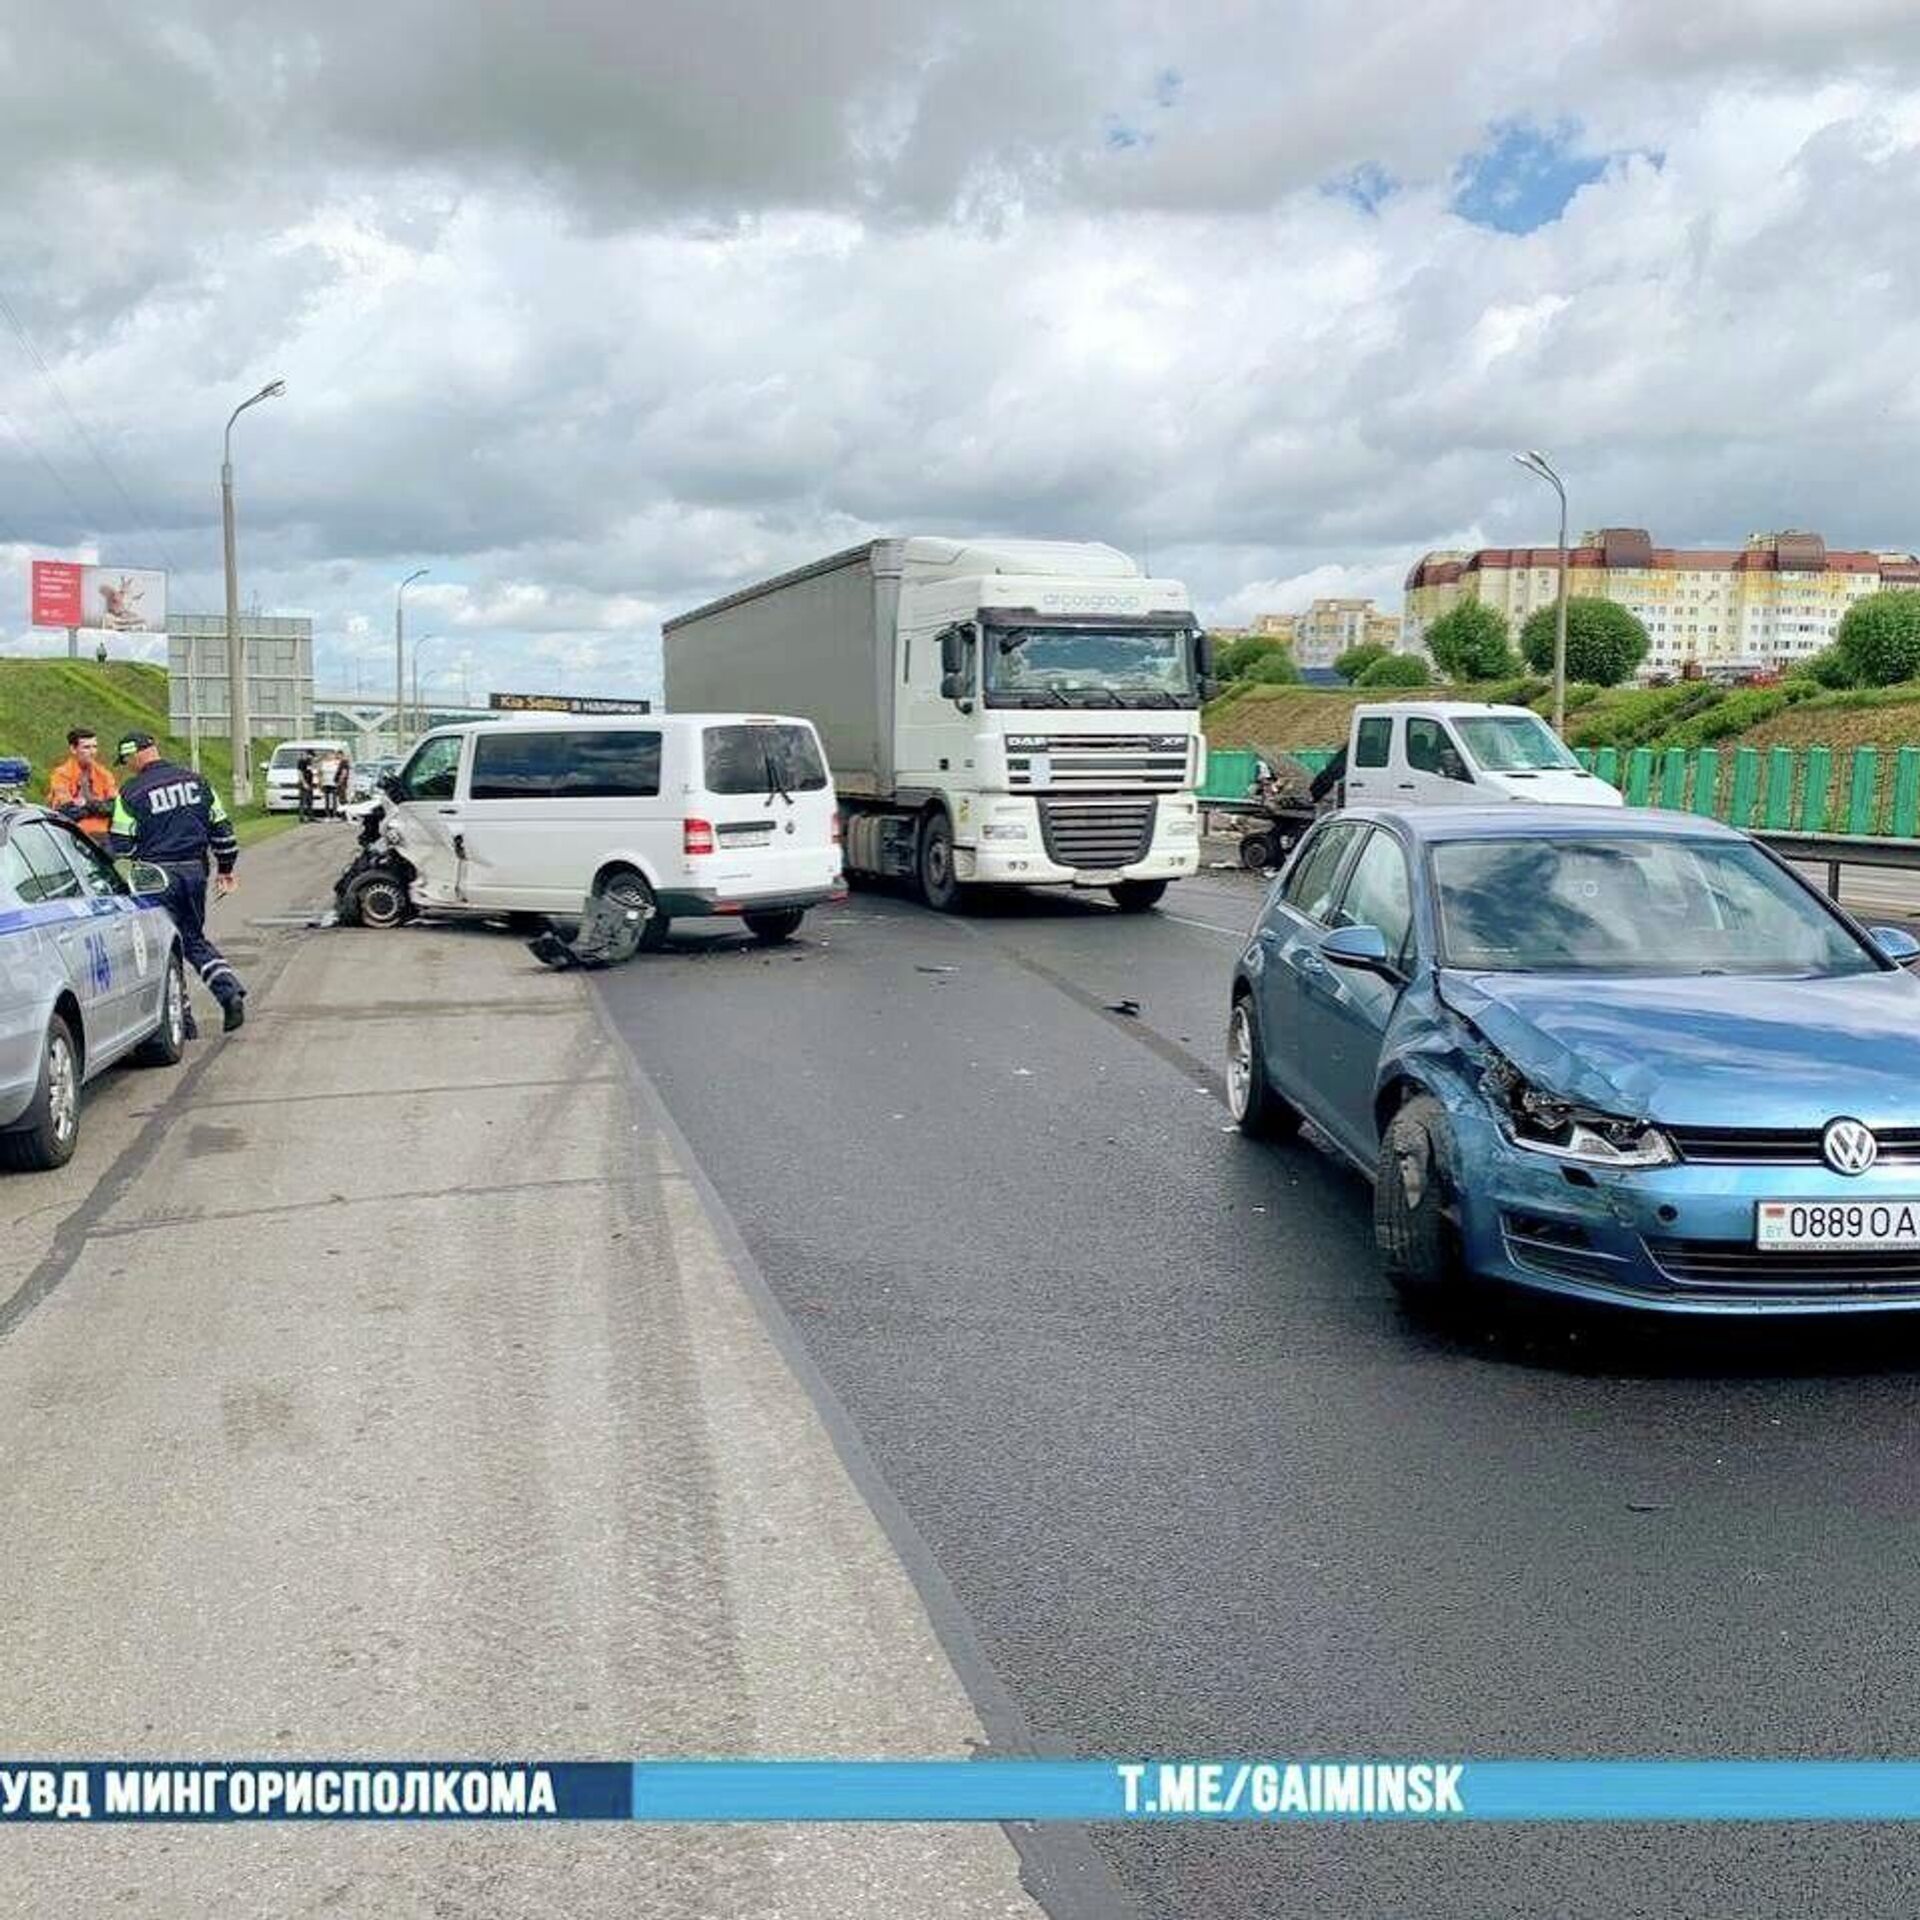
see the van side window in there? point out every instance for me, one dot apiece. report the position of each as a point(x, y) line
point(1370, 745)
point(431, 773)
point(583, 765)
point(609, 766)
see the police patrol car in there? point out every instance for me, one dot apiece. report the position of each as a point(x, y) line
point(90, 972)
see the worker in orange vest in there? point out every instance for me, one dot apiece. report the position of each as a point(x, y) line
point(82, 788)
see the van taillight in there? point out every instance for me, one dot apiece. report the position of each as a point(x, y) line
point(836, 826)
point(696, 836)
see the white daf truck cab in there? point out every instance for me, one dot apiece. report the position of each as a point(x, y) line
point(1447, 753)
point(995, 712)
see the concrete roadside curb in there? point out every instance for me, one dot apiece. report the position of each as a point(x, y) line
point(1059, 1865)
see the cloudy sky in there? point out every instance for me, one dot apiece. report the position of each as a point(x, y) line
point(598, 307)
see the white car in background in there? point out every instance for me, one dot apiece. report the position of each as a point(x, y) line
point(280, 776)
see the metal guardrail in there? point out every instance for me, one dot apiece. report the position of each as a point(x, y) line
point(1837, 850)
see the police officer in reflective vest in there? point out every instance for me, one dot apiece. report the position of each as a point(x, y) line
point(170, 817)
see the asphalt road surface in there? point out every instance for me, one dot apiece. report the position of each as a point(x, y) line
point(1189, 1483)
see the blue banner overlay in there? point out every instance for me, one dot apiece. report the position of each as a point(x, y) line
point(197, 1791)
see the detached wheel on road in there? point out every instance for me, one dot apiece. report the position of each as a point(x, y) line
point(1137, 896)
point(168, 1045)
point(49, 1130)
point(629, 892)
point(1414, 1198)
point(938, 887)
point(1258, 1109)
point(376, 900)
point(770, 929)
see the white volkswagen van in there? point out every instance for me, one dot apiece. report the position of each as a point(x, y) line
point(690, 813)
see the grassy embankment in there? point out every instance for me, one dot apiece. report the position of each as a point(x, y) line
point(1691, 714)
point(41, 699)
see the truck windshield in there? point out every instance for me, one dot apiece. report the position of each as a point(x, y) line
point(1513, 743)
point(1089, 667)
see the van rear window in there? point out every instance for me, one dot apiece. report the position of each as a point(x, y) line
point(763, 757)
point(571, 765)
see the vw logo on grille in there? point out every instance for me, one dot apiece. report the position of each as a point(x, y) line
point(1849, 1146)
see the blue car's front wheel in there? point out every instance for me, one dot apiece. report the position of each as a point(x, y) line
point(1415, 1203)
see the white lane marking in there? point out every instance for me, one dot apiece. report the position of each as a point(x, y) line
point(1232, 933)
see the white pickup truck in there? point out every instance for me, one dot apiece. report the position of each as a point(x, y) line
point(1454, 753)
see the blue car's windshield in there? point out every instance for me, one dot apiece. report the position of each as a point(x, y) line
point(1632, 905)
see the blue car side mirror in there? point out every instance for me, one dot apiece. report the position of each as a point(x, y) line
point(1895, 942)
point(1364, 948)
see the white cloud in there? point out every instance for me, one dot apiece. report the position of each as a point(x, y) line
point(598, 310)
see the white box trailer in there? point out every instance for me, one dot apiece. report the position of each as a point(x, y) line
point(995, 712)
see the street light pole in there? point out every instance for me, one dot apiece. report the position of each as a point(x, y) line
point(419, 719)
point(1536, 464)
point(237, 714)
point(400, 658)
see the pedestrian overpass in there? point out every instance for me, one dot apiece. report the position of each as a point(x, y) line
point(367, 726)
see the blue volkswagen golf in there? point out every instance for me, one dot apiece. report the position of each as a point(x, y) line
point(1626, 1057)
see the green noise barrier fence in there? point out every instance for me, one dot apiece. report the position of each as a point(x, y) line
point(1869, 791)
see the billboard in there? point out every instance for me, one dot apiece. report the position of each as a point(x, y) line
point(563, 703)
point(67, 593)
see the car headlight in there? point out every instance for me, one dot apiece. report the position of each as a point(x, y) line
point(1563, 1130)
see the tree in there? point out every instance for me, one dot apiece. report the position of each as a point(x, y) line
point(1397, 670)
point(1356, 660)
point(1469, 642)
point(1235, 660)
point(1829, 667)
point(1274, 668)
point(1604, 641)
point(1879, 638)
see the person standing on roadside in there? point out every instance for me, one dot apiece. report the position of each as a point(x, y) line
point(81, 788)
point(171, 818)
point(307, 777)
point(337, 793)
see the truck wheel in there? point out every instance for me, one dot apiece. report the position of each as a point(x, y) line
point(1258, 1111)
point(1256, 853)
point(628, 891)
point(1413, 1194)
point(49, 1130)
point(168, 1045)
point(376, 900)
point(1136, 896)
point(938, 888)
point(772, 928)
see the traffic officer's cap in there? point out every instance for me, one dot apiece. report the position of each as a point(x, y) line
point(130, 744)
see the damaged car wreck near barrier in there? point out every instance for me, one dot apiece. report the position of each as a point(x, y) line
point(1637, 1062)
